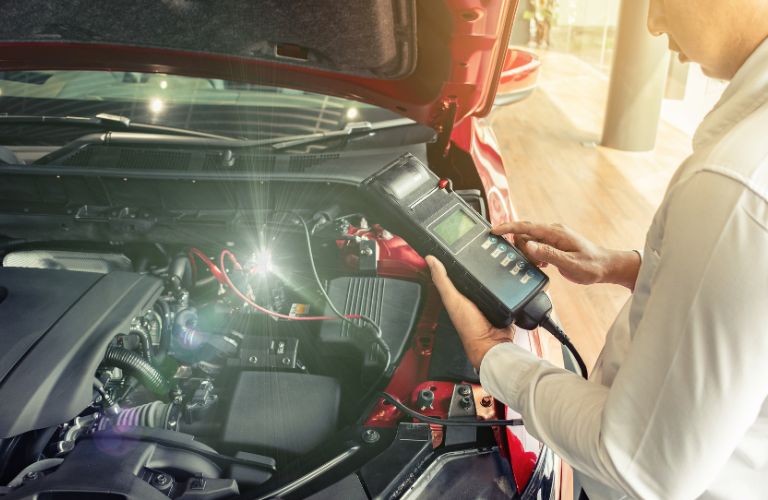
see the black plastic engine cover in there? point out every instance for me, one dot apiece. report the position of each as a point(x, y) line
point(109, 466)
point(393, 304)
point(282, 414)
point(54, 328)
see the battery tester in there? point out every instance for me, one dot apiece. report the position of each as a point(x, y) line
point(437, 221)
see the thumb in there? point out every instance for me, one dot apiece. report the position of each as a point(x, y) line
point(548, 254)
point(448, 292)
point(463, 313)
point(438, 272)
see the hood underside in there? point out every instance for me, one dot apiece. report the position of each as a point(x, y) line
point(371, 38)
point(435, 61)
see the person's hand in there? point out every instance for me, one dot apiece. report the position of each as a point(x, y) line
point(477, 334)
point(577, 258)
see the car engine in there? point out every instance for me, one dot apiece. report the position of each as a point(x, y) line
point(175, 371)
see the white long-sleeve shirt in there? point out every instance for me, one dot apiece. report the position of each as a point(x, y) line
point(677, 404)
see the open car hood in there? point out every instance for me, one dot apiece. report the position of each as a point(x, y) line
point(435, 61)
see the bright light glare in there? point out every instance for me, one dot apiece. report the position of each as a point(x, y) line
point(352, 113)
point(262, 262)
point(163, 84)
point(156, 105)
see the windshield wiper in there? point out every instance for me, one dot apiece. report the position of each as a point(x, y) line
point(191, 139)
point(350, 130)
point(107, 123)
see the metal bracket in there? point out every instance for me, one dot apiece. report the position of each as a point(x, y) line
point(448, 115)
point(462, 407)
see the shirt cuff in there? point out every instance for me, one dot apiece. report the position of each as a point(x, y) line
point(503, 372)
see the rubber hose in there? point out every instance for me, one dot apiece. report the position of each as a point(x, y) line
point(181, 268)
point(155, 415)
point(166, 329)
point(146, 343)
point(140, 368)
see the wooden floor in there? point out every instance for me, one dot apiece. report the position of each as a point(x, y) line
point(558, 174)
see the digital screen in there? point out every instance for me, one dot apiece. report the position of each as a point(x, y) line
point(453, 227)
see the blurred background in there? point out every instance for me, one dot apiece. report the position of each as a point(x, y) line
point(565, 160)
point(553, 140)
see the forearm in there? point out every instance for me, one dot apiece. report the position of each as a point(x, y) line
point(558, 407)
point(621, 268)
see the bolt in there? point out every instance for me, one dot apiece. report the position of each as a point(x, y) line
point(32, 476)
point(466, 402)
point(366, 252)
point(465, 390)
point(286, 361)
point(162, 481)
point(370, 436)
point(252, 359)
point(486, 401)
point(426, 399)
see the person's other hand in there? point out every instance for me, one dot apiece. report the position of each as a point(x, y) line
point(577, 258)
point(477, 334)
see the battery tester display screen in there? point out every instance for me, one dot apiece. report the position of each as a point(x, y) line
point(453, 227)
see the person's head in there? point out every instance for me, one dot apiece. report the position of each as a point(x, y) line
point(718, 34)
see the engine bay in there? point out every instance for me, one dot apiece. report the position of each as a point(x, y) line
point(200, 372)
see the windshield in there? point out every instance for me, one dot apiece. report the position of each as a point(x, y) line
point(233, 109)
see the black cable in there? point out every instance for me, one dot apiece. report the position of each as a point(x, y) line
point(356, 214)
point(377, 333)
point(538, 312)
point(377, 329)
point(552, 327)
point(440, 421)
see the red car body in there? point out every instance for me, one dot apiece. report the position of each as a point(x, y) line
point(519, 77)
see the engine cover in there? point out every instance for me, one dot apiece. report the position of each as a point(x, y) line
point(54, 328)
point(282, 413)
point(393, 304)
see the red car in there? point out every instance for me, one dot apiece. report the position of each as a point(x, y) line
point(188, 263)
point(519, 76)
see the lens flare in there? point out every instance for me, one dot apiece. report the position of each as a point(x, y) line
point(262, 262)
point(156, 105)
point(352, 114)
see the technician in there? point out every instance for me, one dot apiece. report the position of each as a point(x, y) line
point(676, 406)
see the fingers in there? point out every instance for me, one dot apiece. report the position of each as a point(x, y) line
point(545, 253)
point(520, 242)
point(549, 233)
point(522, 227)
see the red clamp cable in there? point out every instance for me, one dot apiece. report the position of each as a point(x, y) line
point(226, 254)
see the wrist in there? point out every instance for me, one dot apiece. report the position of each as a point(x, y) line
point(476, 353)
point(622, 267)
